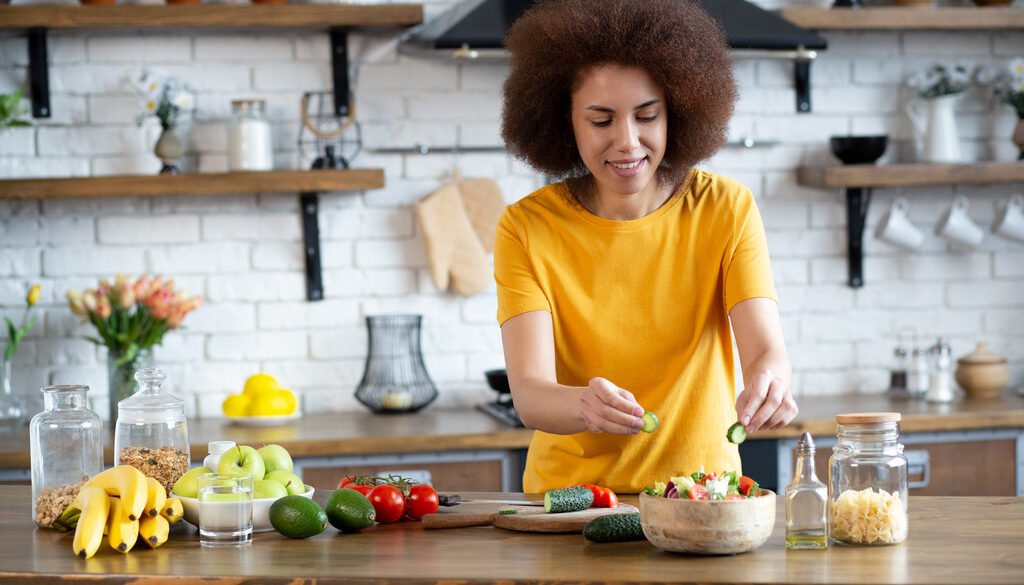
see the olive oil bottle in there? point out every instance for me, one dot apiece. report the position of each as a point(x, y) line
point(806, 501)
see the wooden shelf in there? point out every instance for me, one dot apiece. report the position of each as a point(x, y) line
point(901, 18)
point(910, 175)
point(212, 15)
point(185, 184)
point(858, 180)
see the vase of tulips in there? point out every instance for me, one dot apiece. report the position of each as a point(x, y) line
point(131, 316)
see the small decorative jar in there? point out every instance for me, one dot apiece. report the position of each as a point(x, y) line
point(151, 433)
point(982, 373)
point(868, 481)
point(249, 142)
point(66, 449)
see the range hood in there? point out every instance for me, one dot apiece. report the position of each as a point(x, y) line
point(475, 29)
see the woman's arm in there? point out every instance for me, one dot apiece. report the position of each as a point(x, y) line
point(766, 400)
point(545, 405)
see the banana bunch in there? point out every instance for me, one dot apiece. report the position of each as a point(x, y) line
point(125, 506)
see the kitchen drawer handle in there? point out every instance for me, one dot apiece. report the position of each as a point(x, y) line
point(918, 468)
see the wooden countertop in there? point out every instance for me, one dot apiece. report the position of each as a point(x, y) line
point(358, 433)
point(951, 541)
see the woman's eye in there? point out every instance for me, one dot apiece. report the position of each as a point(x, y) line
point(647, 118)
point(600, 123)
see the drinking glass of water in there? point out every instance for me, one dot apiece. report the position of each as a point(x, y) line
point(225, 509)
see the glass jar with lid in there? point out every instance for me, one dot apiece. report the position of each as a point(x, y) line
point(868, 481)
point(66, 449)
point(250, 147)
point(151, 433)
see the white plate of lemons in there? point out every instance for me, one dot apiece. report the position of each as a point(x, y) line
point(262, 402)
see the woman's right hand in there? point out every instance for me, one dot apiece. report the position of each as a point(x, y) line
point(606, 408)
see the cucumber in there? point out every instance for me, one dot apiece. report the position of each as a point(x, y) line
point(650, 422)
point(614, 528)
point(737, 433)
point(570, 499)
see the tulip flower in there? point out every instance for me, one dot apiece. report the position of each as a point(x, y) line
point(33, 295)
point(103, 307)
point(89, 300)
point(141, 287)
point(75, 302)
point(103, 289)
point(126, 296)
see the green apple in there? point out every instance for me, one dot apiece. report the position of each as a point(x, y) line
point(289, 480)
point(275, 457)
point(242, 459)
point(268, 488)
point(188, 484)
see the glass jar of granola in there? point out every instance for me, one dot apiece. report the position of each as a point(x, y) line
point(151, 433)
point(66, 449)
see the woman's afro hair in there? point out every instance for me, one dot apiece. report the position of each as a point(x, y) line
point(674, 41)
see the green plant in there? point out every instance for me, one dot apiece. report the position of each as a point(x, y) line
point(941, 79)
point(1007, 83)
point(14, 334)
point(12, 111)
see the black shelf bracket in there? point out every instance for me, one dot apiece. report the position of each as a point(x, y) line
point(857, 201)
point(38, 73)
point(802, 81)
point(310, 204)
point(339, 70)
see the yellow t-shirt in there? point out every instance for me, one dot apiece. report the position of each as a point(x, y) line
point(643, 303)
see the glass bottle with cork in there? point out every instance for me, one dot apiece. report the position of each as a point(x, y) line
point(806, 501)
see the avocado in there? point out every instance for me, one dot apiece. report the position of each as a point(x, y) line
point(614, 528)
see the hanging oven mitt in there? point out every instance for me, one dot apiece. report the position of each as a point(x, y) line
point(454, 251)
point(484, 206)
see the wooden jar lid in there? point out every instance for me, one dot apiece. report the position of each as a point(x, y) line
point(867, 417)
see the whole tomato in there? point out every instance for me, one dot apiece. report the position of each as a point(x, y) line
point(345, 481)
point(422, 500)
point(388, 502)
point(605, 498)
point(361, 488)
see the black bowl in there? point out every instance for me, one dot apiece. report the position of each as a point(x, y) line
point(498, 379)
point(856, 150)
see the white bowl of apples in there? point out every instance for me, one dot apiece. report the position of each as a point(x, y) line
point(272, 467)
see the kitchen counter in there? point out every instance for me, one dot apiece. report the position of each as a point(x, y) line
point(951, 540)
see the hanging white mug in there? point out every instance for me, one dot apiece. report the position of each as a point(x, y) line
point(956, 226)
point(896, 228)
point(1009, 221)
point(934, 124)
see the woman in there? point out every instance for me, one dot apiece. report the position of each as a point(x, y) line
point(617, 287)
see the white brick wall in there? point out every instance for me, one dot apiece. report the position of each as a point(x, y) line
point(243, 252)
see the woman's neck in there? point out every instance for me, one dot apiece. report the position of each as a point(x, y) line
point(621, 206)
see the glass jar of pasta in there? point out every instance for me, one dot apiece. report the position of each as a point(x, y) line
point(868, 481)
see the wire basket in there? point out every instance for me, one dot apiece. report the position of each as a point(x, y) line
point(395, 379)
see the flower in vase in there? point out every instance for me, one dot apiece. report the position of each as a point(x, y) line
point(132, 314)
point(1007, 83)
point(941, 79)
point(163, 96)
point(15, 334)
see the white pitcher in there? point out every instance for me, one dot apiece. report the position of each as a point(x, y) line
point(935, 128)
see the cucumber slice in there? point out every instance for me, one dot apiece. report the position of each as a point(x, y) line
point(737, 433)
point(570, 499)
point(650, 422)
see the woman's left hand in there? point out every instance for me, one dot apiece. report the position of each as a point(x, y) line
point(766, 403)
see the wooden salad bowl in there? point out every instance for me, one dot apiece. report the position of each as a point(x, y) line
point(706, 527)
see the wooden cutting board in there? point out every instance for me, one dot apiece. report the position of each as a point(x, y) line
point(526, 518)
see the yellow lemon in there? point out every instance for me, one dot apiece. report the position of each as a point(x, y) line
point(268, 404)
point(261, 384)
point(236, 405)
point(290, 402)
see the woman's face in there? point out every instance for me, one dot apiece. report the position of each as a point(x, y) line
point(620, 120)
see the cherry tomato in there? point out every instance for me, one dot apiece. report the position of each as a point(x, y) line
point(734, 497)
point(699, 492)
point(345, 481)
point(745, 484)
point(422, 500)
point(388, 502)
point(709, 477)
point(605, 498)
point(363, 489)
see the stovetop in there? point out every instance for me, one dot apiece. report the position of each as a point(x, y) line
point(502, 410)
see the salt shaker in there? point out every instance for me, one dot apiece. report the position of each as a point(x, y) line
point(249, 142)
point(940, 378)
point(917, 374)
